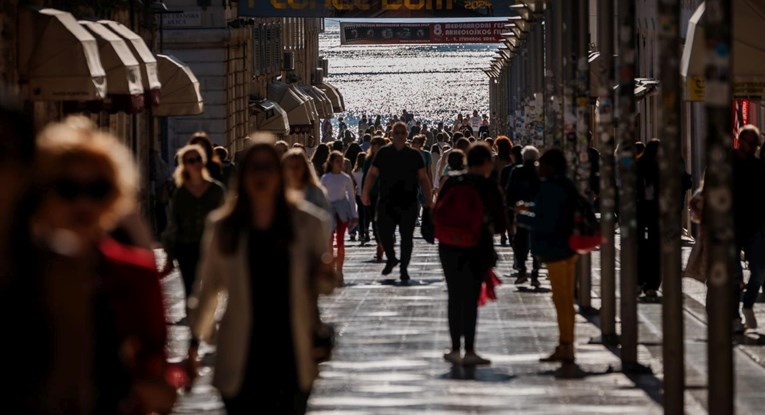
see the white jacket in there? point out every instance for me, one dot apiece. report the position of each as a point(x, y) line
point(230, 275)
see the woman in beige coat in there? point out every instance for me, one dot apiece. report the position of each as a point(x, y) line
point(262, 249)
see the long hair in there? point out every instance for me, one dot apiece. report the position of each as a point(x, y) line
point(360, 159)
point(320, 157)
point(352, 152)
point(309, 175)
point(237, 212)
point(504, 147)
point(180, 175)
point(335, 155)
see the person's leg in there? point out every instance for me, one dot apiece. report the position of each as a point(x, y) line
point(406, 225)
point(755, 255)
point(340, 241)
point(471, 288)
point(450, 264)
point(386, 226)
point(363, 228)
point(653, 252)
point(562, 279)
point(188, 258)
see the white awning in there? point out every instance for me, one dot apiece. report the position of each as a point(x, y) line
point(322, 101)
point(748, 57)
point(338, 103)
point(145, 58)
point(123, 73)
point(298, 109)
point(270, 117)
point(180, 88)
point(58, 58)
point(308, 99)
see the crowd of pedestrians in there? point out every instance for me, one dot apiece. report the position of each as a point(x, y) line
point(268, 233)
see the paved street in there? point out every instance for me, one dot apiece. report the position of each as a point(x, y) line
point(391, 338)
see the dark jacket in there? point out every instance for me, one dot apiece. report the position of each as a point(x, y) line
point(552, 221)
point(522, 184)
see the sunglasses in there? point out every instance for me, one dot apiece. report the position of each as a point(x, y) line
point(192, 160)
point(71, 190)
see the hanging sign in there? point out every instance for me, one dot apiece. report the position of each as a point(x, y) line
point(418, 33)
point(376, 8)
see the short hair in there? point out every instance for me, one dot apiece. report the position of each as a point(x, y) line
point(456, 160)
point(457, 135)
point(440, 136)
point(749, 130)
point(530, 153)
point(478, 154)
point(377, 140)
point(221, 152)
point(555, 160)
point(367, 137)
point(337, 145)
point(462, 143)
point(419, 139)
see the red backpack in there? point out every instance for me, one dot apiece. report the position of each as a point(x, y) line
point(458, 214)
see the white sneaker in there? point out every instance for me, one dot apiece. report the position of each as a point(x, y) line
point(749, 319)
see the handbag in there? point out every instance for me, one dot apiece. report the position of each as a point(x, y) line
point(586, 235)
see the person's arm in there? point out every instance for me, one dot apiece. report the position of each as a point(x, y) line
point(424, 179)
point(499, 220)
point(350, 190)
point(372, 175)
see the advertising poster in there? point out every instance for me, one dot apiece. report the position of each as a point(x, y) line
point(376, 8)
point(421, 33)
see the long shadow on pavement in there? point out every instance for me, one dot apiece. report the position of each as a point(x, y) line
point(486, 374)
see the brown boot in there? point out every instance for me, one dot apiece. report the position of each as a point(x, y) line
point(563, 353)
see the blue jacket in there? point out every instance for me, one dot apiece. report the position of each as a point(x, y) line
point(551, 221)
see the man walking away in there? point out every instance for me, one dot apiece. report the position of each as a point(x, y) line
point(401, 170)
point(468, 212)
point(523, 186)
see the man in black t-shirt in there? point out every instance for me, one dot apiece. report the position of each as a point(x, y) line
point(402, 172)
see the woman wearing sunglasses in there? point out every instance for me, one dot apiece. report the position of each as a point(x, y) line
point(104, 317)
point(270, 256)
point(196, 196)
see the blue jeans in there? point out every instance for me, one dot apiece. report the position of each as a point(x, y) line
point(755, 256)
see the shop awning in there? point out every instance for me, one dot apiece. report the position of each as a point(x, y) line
point(297, 108)
point(58, 57)
point(269, 117)
point(338, 103)
point(308, 99)
point(748, 57)
point(322, 101)
point(180, 88)
point(144, 56)
point(123, 73)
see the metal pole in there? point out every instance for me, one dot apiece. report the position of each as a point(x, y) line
point(718, 218)
point(549, 77)
point(670, 210)
point(582, 110)
point(605, 73)
point(627, 211)
point(558, 74)
point(569, 83)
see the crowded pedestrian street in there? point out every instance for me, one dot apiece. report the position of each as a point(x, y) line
point(391, 337)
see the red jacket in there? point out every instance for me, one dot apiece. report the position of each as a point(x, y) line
point(131, 281)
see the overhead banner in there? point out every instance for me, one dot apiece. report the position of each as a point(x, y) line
point(419, 33)
point(376, 8)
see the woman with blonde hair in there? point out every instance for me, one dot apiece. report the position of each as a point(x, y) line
point(275, 255)
point(197, 195)
point(105, 318)
point(299, 176)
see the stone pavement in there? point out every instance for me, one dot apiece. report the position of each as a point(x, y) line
point(388, 359)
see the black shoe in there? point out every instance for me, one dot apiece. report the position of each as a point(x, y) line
point(389, 266)
point(353, 238)
point(405, 277)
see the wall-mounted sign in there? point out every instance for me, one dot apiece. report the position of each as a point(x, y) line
point(695, 85)
point(185, 19)
point(376, 8)
point(418, 33)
